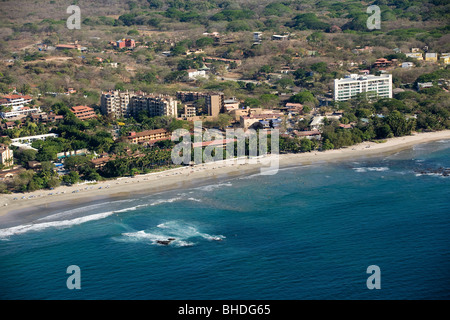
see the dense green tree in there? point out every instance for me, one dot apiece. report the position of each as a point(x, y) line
point(384, 131)
point(305, 145)
point(327, 145)
point(302, 97)
point(204, 42)
point(398, 124)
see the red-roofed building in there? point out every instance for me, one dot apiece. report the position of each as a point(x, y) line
point(83, 112)
point(126, 43)
point(15, 100)
point(68, 46)
point(294, 107)
point(149, 136)
point(308, 134)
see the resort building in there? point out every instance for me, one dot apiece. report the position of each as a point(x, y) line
point(121, 104)
point(116, 103)
point(230, 104)
point(382, 63)
point(83, 112)
point(20, 112)
point(6, 156)
point(189, 111)
point(280, 37)
point(248, 121)
point(149, 136)
point(101, 161)
point(414, 55)
point(445, 58)
point(75, 46)
point(353, 85)
point(294, 108)
point(257, 37)
point(29, 139)
point(195, 74)
point(214, 102)
point(16, 104)
point(430, 57)
point(308, 134)
point(154, 105)
point(126, 43)
point(15, 101)
point(407, 65)
point(424, 85)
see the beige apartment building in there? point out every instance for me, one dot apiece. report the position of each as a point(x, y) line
point(155, 105)
point(124, 104)
point(214, 102)
point(116, 103)
point(6, 156)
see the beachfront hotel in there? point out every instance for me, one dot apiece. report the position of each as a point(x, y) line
point(149, 136)
point(352, 85)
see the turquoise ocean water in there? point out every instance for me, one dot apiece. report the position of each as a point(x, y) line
point(308, 232)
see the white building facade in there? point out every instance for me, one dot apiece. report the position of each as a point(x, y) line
point(375, 86)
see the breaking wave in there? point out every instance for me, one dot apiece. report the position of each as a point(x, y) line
point(6, 233)
point(183, 234)
point(365, 169)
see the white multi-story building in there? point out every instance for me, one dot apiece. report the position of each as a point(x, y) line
point(30, 139)
point(375, 86)
point(15, 101)
point(22, 112)
point(195, 74)
point(16, 104)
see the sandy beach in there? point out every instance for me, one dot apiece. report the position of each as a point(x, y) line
point(41, 200)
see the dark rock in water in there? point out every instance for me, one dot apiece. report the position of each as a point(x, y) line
point(445, 172)
point(165, 242)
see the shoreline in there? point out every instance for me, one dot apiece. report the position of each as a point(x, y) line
point(38, 202)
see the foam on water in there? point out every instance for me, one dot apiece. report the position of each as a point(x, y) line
point(183, 233)
point(8, 232)
point(212, 187)
point(365, 169)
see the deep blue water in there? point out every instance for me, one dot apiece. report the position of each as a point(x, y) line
point(308, 232)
